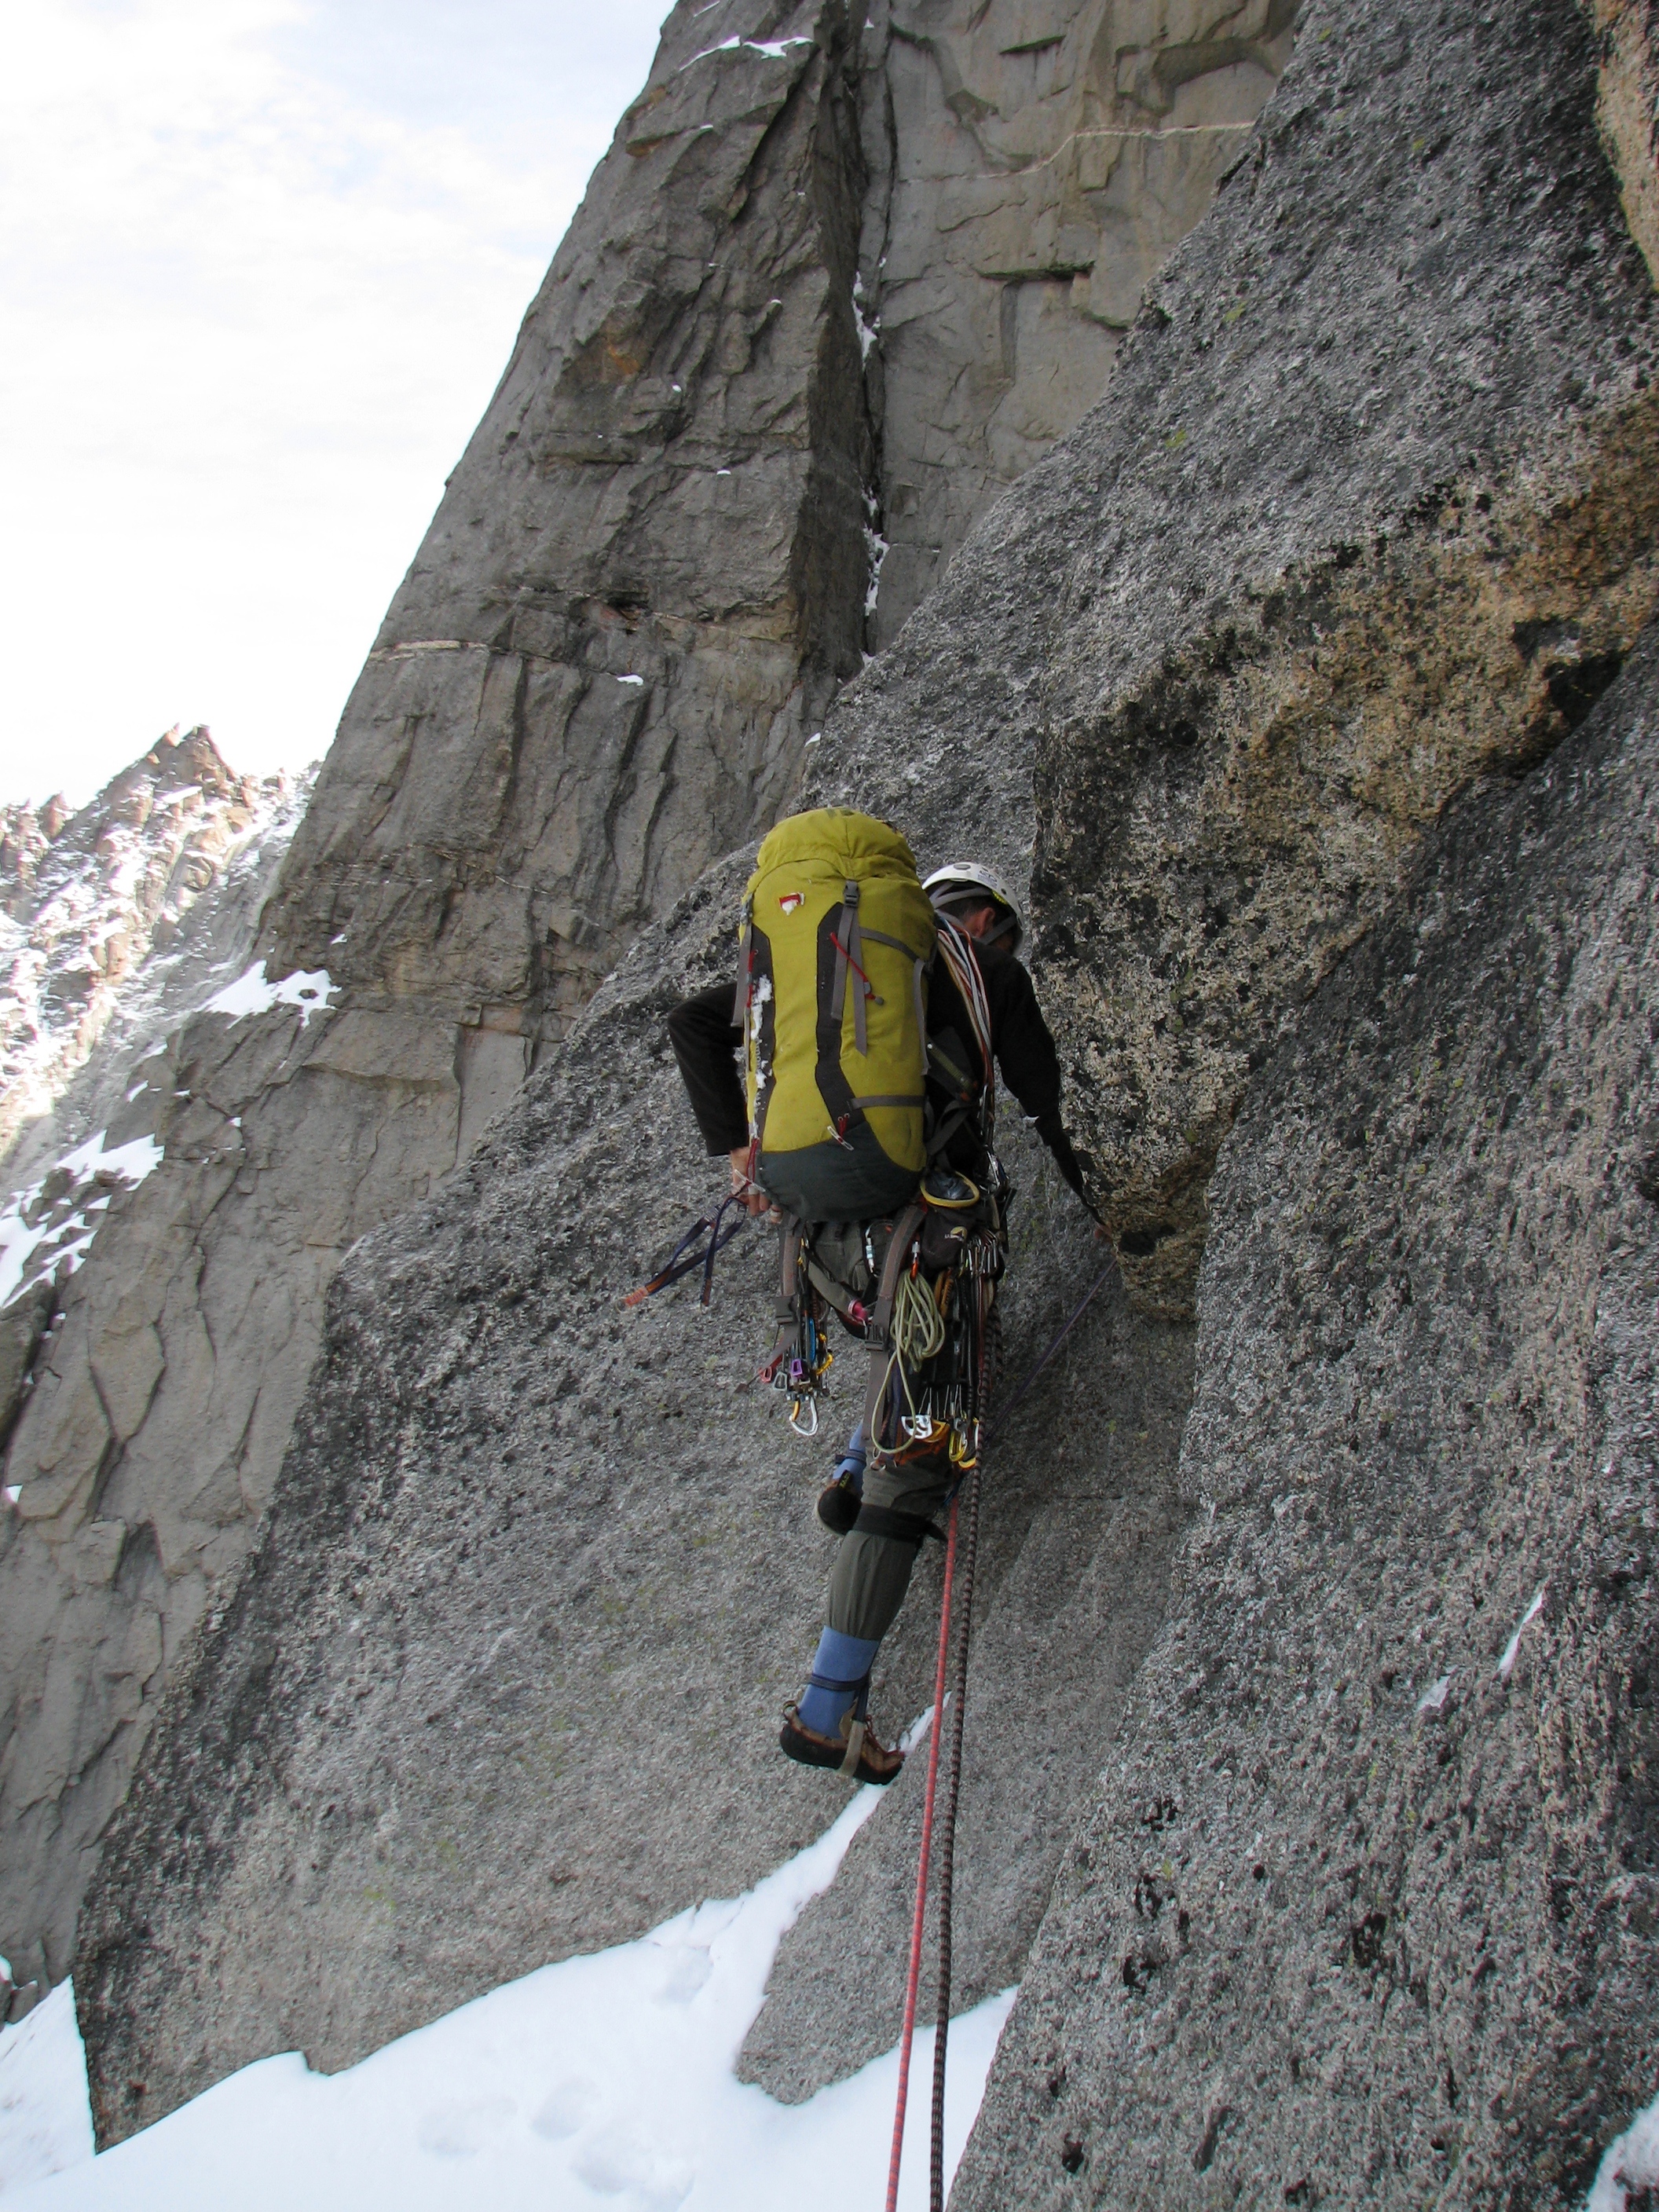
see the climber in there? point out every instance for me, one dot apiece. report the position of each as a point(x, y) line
point(883, 1510)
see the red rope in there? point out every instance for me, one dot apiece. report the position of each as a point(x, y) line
point(934, 1732)
point(948, 1844)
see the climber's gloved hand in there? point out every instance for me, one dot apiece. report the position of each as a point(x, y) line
point(754, 1197)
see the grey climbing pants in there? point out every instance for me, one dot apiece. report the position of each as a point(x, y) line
point(871, 1573)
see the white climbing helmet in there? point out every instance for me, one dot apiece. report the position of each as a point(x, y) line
point(961, 882)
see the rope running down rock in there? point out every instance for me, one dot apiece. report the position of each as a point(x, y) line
point(914, 1976)
point(957, 1701)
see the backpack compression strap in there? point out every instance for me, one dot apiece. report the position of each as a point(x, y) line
point(849, 953)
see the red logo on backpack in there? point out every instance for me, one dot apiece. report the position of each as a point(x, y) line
point(791, 900)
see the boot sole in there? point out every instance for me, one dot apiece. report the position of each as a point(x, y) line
point(808, 1752)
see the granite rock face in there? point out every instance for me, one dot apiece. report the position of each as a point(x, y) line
point(1211, 843)
point(1031, 164)
point(1369, 509)
point(1286, 659)
point(659, 558)
point(1365, 1910)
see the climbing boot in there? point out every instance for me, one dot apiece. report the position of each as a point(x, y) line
point(856, 1752)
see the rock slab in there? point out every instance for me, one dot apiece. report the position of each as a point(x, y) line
point(1365, 1910)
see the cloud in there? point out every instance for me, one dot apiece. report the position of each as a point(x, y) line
point(263, 263)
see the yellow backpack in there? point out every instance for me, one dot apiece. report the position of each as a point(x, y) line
point(838, 939)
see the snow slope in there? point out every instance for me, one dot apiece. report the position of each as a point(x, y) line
point(604, 2080)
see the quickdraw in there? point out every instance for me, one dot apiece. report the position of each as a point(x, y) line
point(799, 1371)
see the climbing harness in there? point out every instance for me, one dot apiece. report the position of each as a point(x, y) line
point(677, 1264)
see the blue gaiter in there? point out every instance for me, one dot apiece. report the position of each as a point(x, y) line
point(840, 1678)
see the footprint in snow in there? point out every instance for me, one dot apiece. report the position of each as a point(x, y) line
point(688, 1971)
point(463, 2130)
point(617, 2161)
point(565, 2109)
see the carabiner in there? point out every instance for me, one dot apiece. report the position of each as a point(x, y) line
point(811, 1406)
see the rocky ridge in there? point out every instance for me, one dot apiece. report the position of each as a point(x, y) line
point(99, 925)
point(124, 917)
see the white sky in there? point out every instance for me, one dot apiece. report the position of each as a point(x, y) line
point(261, 266)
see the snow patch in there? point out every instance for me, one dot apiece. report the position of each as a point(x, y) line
point(309, 989)
point(1433, 1700)
point(877, 550)
point(45, 2114)
point(776, 50)
point(610, 2075)
point(630, 679)
point(30, 1223)
point(869, 332)
point(1511, 1649)
point(1630, 2164)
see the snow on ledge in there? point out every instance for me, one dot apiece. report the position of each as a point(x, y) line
point(603, 2080)
point(67, 1227)
point(133, 1161)
point(776, 50)
point(307, 988)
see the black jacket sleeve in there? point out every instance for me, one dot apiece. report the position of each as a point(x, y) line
point(1026, 1054)
point(706, 1042)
